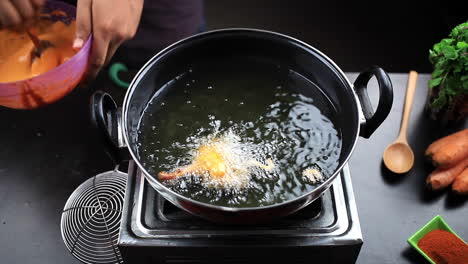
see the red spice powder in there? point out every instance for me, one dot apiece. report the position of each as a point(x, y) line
point(444, 247)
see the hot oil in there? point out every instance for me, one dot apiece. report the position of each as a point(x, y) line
point(257, 106)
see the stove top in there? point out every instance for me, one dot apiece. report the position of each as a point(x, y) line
point(155, 231)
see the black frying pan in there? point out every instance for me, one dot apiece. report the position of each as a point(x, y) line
point(354, 113)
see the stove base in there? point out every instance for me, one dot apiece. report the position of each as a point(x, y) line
point(153, 231)
point(311, 254)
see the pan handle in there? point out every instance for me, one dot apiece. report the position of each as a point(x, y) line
point(373, 119)
point(106, 117)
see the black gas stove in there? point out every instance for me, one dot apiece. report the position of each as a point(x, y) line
point(155, 231)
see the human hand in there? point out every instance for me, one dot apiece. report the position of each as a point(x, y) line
point(15, 13)
point(111, 21)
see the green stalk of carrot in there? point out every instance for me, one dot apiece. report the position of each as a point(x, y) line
point(450, 155)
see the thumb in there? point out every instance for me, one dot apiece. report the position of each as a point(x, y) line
point(83, 23)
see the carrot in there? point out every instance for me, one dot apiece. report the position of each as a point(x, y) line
point(441, 178)
point(440, 143)
point(451, 154)
point(460, 185)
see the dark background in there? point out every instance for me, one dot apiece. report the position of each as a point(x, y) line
point(45, 154)
point(395, 35)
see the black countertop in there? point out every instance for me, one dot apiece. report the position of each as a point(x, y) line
point(392, 207)
point(45, 154)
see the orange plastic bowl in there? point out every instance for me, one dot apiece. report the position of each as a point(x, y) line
point(54, 84)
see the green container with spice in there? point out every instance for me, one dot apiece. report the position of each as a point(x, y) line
point(438, 223)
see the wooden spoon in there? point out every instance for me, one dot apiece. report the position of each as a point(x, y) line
point(398, 156)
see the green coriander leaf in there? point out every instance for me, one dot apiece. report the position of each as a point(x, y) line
point(449, 52)
point(440, 100)
point(462, 45)
point(459, 29)
point(435, 82)
point(446, 42)
point(453, 87)
point(437, 47)
point(432, 57)
point(465, 87)
point(438, 72)
point(454, 32)
point(441, 63)
point(457, 68)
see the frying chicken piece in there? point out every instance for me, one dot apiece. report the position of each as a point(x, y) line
point(213, 162)
point(208, 160)
point(313, 175)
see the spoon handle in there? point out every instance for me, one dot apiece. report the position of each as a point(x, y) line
point(34, 39)
point(412, 80)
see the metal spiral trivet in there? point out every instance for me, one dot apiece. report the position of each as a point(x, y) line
point(91, 218)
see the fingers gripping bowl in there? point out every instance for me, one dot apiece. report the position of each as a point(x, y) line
point(54, 84)
point(286, 111)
